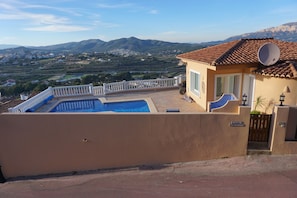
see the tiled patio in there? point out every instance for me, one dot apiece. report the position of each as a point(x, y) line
point(163, 100)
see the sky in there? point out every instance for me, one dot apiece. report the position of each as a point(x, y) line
point(48, 22)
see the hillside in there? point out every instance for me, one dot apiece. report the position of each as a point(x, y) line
point(285, 32)
point(135, 46)
point(130, 46)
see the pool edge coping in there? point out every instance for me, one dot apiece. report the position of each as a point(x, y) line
point(149, 102)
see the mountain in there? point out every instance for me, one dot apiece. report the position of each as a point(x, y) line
point(130, 45)
point(90, 45)
point(133, 45)
point(285, 32)
point(148, 46)
point(122, 46)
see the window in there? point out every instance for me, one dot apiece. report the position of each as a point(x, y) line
point(195, 82)
point(227, 84)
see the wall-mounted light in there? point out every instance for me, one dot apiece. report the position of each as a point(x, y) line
point(282, 99)
point(244, 99)
point(286, 89)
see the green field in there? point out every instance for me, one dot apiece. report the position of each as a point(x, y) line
point(39, 74)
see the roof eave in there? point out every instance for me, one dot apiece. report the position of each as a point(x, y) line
point(208, 65)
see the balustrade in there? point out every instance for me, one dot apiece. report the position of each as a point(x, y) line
point(98, 91)
point(72, 90)
point(81, 90)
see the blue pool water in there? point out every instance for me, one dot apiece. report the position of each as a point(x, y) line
point(94, 105)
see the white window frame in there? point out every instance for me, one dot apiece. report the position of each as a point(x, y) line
point(194, 89)
point(226, 75)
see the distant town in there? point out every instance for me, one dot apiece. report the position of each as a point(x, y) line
point(25, 70)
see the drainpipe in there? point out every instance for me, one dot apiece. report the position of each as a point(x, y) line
point(2, 179)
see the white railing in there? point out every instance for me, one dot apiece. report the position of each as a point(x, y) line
point(114, 87)
point(98, 91)
point(139, 85)
point(78, 90)
point(34, 101)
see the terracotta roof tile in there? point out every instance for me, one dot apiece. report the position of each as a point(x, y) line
point(287, 69)
point(240, 52)
point(209, 54)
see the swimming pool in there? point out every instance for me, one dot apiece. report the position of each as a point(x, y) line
point(95, 105)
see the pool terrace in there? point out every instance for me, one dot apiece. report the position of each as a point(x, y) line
point(163, 99)
point(92, 141)
point(161, 95)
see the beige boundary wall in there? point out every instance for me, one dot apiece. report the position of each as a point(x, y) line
point(37, 144)
point(283, 133)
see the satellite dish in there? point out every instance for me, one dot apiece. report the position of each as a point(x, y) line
point(268, 54)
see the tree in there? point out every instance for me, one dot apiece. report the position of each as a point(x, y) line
point(123, 76)
point(259, 103)
point(40, 87)
point(89, 79)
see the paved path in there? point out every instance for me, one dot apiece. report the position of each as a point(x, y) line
point(250, 176)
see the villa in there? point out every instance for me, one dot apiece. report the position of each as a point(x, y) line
point(234, 67)
point(37, 141)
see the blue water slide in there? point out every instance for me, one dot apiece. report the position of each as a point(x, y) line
point(222, 101)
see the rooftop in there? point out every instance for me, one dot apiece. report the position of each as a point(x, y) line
point(242, 51)
point(287, 69)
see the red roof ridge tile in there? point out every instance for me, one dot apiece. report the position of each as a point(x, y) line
point(228, 52)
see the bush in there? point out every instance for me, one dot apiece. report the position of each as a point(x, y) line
point(255, 112)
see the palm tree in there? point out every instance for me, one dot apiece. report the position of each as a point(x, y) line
point(259, 103)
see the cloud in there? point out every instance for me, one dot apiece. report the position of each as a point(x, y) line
point(10, 17)
point(57, 28)
point(41, 21)
point(36, 19)
point(114, 6)
point(154, 12)
point(59, 9)
point(6, 6)
point(16, 11)
point(48, 19)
